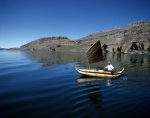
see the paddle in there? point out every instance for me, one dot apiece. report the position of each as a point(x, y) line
point(100, 67)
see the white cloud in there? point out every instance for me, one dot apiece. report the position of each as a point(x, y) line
point(2, 46)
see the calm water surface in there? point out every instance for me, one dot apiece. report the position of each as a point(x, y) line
point(46, 85)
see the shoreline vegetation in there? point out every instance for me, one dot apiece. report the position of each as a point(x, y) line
point(135, 36)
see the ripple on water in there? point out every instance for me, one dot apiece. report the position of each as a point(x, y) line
point(30, 89)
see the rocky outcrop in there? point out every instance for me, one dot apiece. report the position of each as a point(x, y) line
point(47, 43)
point(134, 32)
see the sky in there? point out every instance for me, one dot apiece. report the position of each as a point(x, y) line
point(22, 21)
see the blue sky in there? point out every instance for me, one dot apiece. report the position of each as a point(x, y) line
point(22, 21)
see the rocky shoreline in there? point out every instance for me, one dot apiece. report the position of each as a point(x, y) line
point(135, 32)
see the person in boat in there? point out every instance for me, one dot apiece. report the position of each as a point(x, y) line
point(109, 67)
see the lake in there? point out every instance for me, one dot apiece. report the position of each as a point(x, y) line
point(46, 85)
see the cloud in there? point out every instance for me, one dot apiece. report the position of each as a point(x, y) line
point(2, 46)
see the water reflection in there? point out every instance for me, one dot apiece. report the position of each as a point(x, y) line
point(119, 56)
point(139, 62)
point(92, 90)
point(135, 78)
point(94, 95)
point(129, 62)
point(90, 81)
point(104, 56)
point(109, 83)
point(55, 58)
point(94, 86)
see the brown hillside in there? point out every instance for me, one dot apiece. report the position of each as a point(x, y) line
point(136, 31)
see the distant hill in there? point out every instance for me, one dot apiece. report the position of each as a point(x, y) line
point(134, 32)
point(2, 48)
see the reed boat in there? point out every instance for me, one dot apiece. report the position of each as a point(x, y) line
point(94, 54)
point(98, 73)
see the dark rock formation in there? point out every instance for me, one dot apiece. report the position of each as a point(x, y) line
point(116, 37)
